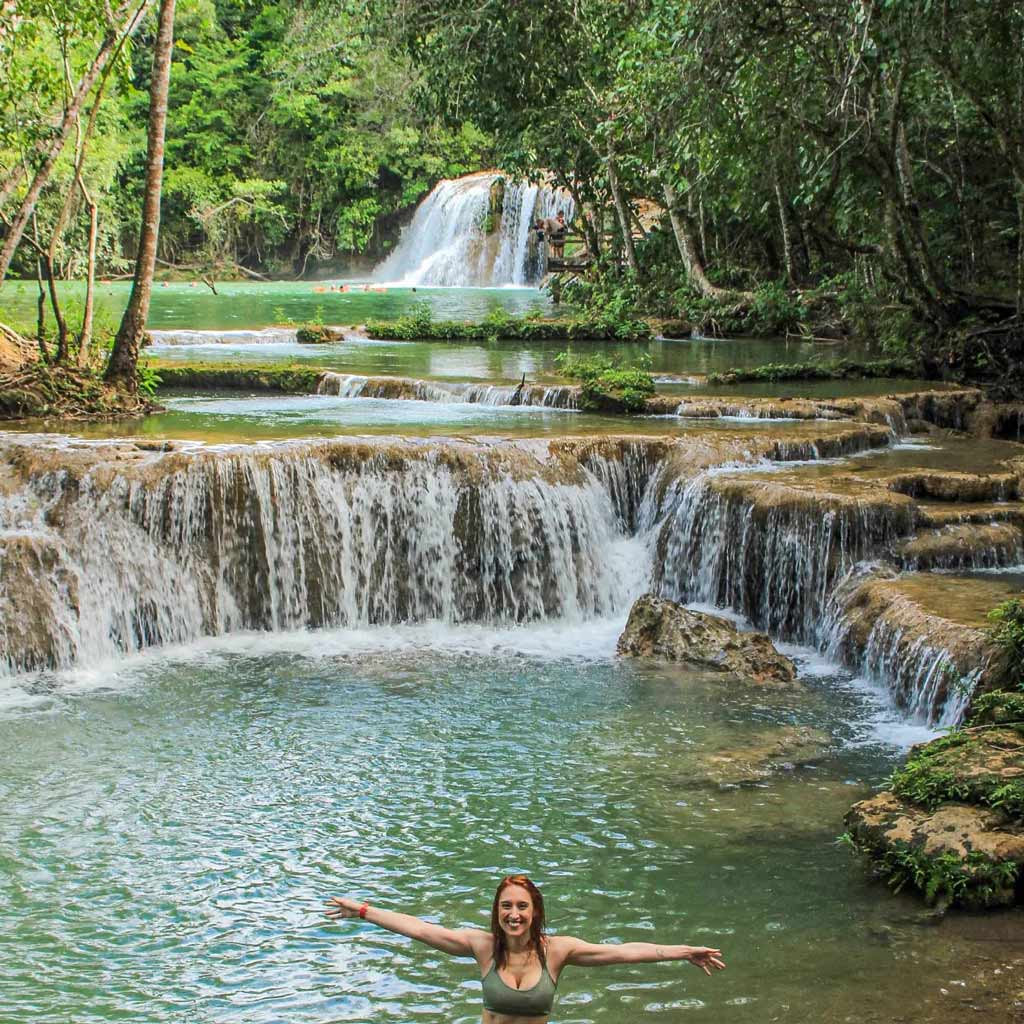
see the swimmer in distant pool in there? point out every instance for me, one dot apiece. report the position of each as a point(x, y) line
point(519, 964)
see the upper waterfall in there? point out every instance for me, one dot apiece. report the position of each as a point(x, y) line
point(475, 231)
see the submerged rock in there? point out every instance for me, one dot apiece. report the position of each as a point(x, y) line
point(780, 749)
point(663, 629)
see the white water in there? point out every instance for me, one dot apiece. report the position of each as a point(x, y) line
point(347, 385)
point(446, 244)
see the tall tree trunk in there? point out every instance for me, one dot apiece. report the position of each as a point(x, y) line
point(85, 338)
point(1019, 181)
point(125, 356)
point(623, 213)
point(784, 229)
point(123, 25)
point(41, 312)
point(686, 239)
point(590, 232)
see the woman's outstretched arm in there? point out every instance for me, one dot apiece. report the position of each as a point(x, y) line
point(456, 941)
point(601, 954)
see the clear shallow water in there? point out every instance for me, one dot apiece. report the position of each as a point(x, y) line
point(237, 417)
point(171, 825)
point(243, 305)
point(509, 360)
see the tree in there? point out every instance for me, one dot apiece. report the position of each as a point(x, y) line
point(119, 26)
point(125, 355)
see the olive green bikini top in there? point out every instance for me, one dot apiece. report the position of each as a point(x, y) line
point(536, 1001)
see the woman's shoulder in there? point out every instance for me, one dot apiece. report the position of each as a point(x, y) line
point(555, 944)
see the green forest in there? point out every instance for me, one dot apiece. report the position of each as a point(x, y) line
point(846, 168)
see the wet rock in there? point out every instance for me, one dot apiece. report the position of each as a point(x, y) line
point(658, 628)
point(33, 626)
point(963, 546)
point(676, 329)
point(952, 486)
point(780, 749)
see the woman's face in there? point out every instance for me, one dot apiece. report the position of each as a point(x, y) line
point(515, 911)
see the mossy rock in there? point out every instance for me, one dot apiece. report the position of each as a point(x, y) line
point(956, 855)
point(295, 380)
point(311, 334)
point(998, 708)
point(981, 765)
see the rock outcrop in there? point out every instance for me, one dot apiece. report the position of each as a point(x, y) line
point(952, 825)
point(658, 628)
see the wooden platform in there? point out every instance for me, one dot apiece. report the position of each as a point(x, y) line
point(573, 263)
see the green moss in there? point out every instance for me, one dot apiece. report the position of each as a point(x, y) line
point(960, 767)
point(420, 326)
point(607, 386)
point(844, 369)
point(289, 380)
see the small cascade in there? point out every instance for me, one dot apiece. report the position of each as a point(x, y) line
point(931, 665)
point(770, 552)
point(346, 385)
point(126, 552)
point(112, 548)
point(474, 231)
point(263, 336)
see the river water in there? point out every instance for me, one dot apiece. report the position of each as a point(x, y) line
point(172, 819)
point(171, 824)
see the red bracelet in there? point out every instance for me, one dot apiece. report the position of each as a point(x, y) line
point(363, 909)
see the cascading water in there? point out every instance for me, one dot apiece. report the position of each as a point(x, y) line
point(451, 243)
point(346, 385)
point(111, 549)
point(123, 555)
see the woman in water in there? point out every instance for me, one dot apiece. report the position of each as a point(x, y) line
point(520, 965)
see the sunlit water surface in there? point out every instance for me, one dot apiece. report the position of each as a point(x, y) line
point(171, 825)
point(238, 417)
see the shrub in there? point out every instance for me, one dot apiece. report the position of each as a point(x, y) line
point(607, 384)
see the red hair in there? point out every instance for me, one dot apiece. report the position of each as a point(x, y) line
point(536, 941)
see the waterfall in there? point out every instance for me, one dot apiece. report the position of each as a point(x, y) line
point(451, 243)
point(118, 554)
point(346, 385)
point(109, 548)
point(770, 552)
point(929, 664)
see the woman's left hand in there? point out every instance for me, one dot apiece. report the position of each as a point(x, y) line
point(340, 907)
